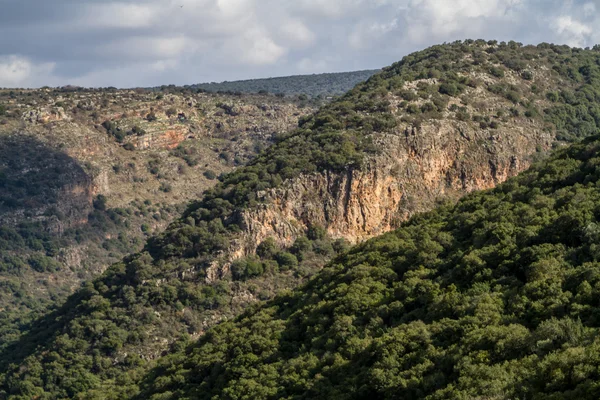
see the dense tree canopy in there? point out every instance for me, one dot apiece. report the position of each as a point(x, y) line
point(495, 297)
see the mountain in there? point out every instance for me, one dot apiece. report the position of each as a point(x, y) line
point(315, 85)
point(495, 297)
point(439, 124)
point(87, 175)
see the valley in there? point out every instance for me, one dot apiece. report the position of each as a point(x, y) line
point(227, 295)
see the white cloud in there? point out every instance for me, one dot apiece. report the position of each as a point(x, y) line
point(574, 32)
point(257, 48)
point(297, 33)
point(440, 18)
point(157, 48)
point(120, 15)
point(152, 42)
point(309, 65)
point(18, 71)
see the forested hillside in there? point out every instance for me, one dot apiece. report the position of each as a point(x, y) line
point(493, 298)
point(316, 85)
point(487, 108)
point(87, 175)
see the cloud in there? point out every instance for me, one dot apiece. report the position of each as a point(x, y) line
point(120, 15)
point(17, 71)
point(152, 42)
point(296, 33)
point(574, 32)
point(150, 48)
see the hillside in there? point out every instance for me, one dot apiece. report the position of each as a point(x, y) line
point(87, 175)
point(439, 124)
point(495, 297)
point(315, 85)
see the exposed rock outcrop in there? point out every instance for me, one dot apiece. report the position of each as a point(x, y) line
point(414, 169)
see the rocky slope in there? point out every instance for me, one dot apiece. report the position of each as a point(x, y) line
point(438, 124)
point(87, 175)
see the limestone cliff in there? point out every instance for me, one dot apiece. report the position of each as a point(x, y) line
point(413, 169)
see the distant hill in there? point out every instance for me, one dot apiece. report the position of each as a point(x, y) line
point(310, 85)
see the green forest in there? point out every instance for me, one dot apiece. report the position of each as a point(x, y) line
point(493, 297)
point(315, 85)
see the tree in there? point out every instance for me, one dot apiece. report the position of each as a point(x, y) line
point(267, 249)
point(286, 260)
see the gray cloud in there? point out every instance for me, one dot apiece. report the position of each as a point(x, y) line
point(130, 43)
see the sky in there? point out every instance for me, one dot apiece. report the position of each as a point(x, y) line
point(133, 43)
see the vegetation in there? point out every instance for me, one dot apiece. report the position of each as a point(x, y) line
point(308, 85)
point(494, 297)
point(59, 146)
point(456, 270)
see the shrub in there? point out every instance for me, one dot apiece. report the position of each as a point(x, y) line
point(527, 75)
point(210, 175)
point(497, 72)
point(412, 109)
point(448, 88)
point(41, 263)
point(286, 260)
point(267, 249)
point(301, 245)
point(552, 96)
point(100, 202)
point(323, 247)
point(316, 232)
point(341, 245)
point(246, 268)
point(513, 96)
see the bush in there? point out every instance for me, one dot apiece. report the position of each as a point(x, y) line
point(210, 175)
point(323, 247)
point(341, 245)
point(41, 263)
point(246, 268)
point(165, 187)
point(316, 232)
point(301, 245)
point(286, 261)
point(463, 116)
point(100, 202)
point(552, 96)
point(448, 88)
point(136, 130)
point(513, 96)
point(497, 72)
point(412, 109)
point(267, 249)
point(527, 75)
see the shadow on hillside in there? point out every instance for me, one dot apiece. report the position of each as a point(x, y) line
point(36, 178)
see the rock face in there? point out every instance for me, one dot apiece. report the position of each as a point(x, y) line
point(414, 169)
point(87, 175)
